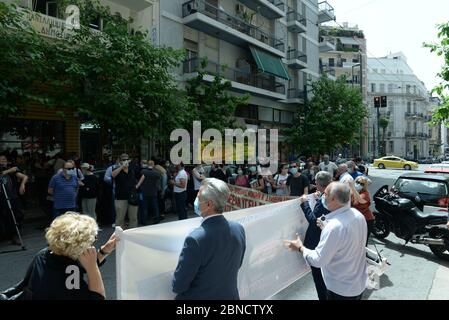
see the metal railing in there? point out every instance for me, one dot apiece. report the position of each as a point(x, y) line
point(296, 54)
point(295, 16)
point(194, 6)
point(294, 93)
point(260, 81)
point(278, 3)
point(325, 6)
point(325, 68)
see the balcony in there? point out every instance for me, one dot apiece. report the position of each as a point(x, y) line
point(295, 22)
point(326, 12)
point(135, 5)
point(296, 59)
point(329, 71)
point(241, 80)
point(271, 9)
point(207, 18)
point(327, 44)
point(295, 96)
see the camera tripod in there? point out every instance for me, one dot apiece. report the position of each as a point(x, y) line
point(8, 201)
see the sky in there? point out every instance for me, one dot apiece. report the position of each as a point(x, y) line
point(399, 25)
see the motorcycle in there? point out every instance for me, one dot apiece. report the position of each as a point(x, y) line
point(407, 222)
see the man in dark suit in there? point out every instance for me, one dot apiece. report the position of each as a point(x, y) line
point(213, 253)
point(313, 233)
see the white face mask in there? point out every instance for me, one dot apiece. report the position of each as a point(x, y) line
point(358, 187)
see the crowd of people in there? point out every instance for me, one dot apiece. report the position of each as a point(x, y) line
point(147, 187)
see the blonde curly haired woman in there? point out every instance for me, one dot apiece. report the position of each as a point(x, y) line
point(361, 200)
point(57, 272)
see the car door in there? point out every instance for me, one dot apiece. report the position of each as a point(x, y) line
point(396, 163)
point(387, 161)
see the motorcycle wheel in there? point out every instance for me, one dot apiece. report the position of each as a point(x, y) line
point(381, 229)
point(439, 251)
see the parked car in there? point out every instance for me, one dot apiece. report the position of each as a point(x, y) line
point(394, 162)
point(424, 189)
point(427, 160)
point(441, 168)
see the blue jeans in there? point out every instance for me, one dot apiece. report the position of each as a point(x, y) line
point(180, 199)
point(58, 212)
point(148, 202)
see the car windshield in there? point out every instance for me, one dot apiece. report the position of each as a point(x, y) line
point(420, 186)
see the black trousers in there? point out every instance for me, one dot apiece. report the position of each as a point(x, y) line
point(333, 296)
point(370, 225)
point(319, 283)
point(7, 228)
point(180, 199)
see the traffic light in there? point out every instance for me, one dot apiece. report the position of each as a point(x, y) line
point(376, 102)
point(383, 102)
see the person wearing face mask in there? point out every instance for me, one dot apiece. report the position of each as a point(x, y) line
point(297, 183)
point(353, 170)
point(312, 238)
point(213, 253)
point(89, 191)
point(63, 186)
point(361, 200)
point(341, 252)
point(255, 180)
point(242, 179)
point(280, 181)
point(328, 166)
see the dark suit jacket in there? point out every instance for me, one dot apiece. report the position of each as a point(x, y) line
point(210, 261)
point(313, 232)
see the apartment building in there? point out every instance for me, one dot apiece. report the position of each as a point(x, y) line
point(343, 53)
point(407, 134)
point(270, 47)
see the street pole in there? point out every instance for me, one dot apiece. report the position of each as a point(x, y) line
point(378, 133)
point(374, 142)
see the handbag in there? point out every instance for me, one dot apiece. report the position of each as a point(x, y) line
point(134, 197)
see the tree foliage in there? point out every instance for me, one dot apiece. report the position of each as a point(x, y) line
point(441, 114)
point(330, 119)
point(211, 102)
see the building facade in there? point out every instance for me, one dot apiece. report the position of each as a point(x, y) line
point(407, 112)
point(270, 47)
point(343, 53)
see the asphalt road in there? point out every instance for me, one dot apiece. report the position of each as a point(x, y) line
point(414, 272)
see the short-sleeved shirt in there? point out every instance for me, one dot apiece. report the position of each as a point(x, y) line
point(64, 191)
point(364, 208)
point(330, 167)
point(197, 182)
point(297, 185)
point(182, 174)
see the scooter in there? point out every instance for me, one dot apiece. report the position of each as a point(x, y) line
point(407, 222)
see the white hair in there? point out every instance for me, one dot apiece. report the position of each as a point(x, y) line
point(216, 191)
point(341, 192)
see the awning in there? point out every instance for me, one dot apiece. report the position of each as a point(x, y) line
point(349, 41)
point(270, 64)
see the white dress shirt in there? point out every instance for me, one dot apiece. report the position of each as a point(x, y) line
point(182, 174)
point(346, 177)
point(341, 252)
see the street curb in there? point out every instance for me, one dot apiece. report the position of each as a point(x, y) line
point(440, 285)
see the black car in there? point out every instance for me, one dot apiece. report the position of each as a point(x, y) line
point(423, 189)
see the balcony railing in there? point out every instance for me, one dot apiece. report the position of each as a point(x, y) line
point(325, 6)
point(294, 93)
point(295, 16)
point(219, 15)
point(296, 54)
point(325, 68)
point(260, 81)
point(278, 3)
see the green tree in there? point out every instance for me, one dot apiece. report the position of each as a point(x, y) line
point(441, 114)
point(383, 123)
point(114, 79)
point(210, 102)
point(330, 119)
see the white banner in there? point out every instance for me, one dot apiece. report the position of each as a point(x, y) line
point(147, 257)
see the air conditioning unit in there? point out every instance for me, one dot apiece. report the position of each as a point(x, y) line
point(239, 8)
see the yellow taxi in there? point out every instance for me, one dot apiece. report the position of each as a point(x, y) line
point(394, 162)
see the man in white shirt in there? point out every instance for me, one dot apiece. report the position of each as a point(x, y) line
point(343, 175)
point(328, 166)
point(180, 191)
point(341, 251)
point(198, 176)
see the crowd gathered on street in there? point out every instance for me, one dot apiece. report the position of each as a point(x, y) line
point(142, 192)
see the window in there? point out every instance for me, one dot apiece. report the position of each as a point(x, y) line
point(247, 112)
point(46, 137)
point(415, 128)
point(343, 60)
point(409, 127)
point(408, 185)
point(373, 87)
point(391, 146)
point(331, 62)
point(355, 79)
point(382, 87)
point(286, 117)
point(409, 108)
point(46, 7)
point(407, 89)
point(414, 107)
point(276, 115)
point(266, 114)
point(390, 88)
point(355, 60)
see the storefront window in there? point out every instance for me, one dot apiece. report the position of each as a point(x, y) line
point(32, 136)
